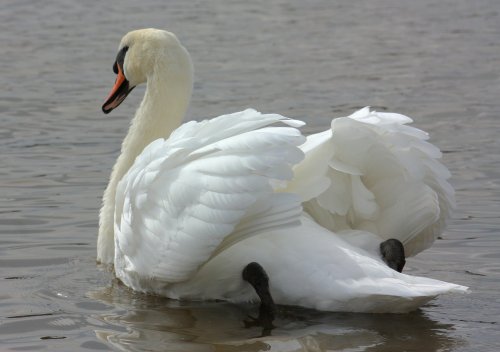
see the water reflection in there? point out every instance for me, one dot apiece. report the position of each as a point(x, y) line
point(146, 323)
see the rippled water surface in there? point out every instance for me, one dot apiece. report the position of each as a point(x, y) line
point(437, 61)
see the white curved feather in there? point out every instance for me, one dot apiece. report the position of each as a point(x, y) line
point(185, 195)
point(373, 172)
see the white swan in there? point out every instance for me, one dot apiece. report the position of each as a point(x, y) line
point(187, 208)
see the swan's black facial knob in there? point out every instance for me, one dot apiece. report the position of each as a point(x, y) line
point(120, 59)
point(121, 88)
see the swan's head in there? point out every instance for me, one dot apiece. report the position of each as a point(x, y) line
point(141, 54)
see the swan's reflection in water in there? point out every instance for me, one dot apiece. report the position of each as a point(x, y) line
point(146, 323)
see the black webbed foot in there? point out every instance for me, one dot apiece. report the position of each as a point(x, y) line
point(256, 276)
point(393, 254)
point(264, 320)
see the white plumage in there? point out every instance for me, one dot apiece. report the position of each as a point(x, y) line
point(378, 175)
point(185, 213)
point(185, 195)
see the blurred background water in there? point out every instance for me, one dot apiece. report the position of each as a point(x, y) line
point(437, 61)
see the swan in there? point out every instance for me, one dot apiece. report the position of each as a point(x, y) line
point(243, 207)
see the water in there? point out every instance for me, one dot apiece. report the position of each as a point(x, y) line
point(434, 60)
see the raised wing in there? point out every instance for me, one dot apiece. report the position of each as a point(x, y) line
point(373, 172)
point(209, 185)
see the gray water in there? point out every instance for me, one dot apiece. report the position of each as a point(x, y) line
point(437, 61)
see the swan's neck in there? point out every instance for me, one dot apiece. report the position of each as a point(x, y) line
point(161, 111)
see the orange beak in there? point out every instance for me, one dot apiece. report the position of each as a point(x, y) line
point(118, 93)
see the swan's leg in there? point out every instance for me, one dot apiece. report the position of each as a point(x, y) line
point(393, 254)
point(256, 276)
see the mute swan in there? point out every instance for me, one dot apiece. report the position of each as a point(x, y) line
point(209, 209)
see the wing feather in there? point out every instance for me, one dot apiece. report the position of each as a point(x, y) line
point(381, 175)
point(205, 188)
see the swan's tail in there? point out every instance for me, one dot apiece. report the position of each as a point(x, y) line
point(395, 295)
